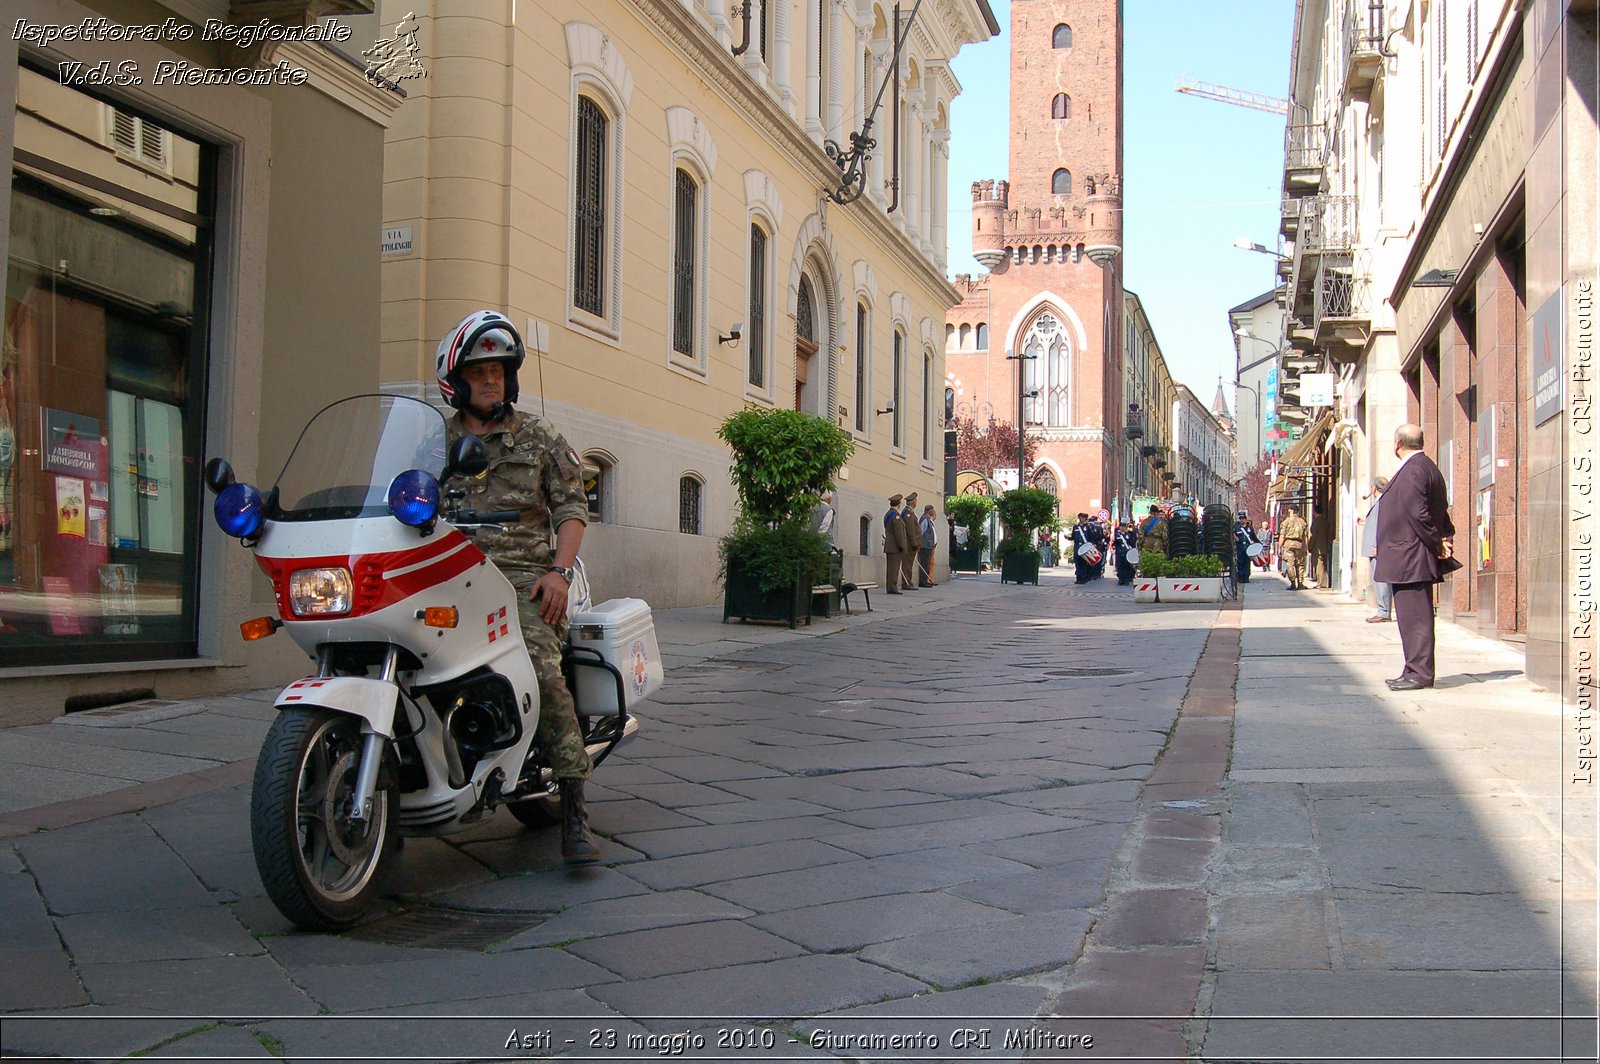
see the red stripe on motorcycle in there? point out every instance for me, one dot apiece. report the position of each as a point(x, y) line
point(371, 591)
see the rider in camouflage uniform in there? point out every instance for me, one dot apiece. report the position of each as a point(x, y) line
point(532, 469)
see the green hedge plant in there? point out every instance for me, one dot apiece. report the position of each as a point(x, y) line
point(1024, 511)
point(972, 511)
point(783, 460)
point(1194, 566)
point(1153, 564)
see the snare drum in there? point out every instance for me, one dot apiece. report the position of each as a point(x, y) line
point(1255, 550)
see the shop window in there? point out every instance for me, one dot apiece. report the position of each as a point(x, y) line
point(102, 373)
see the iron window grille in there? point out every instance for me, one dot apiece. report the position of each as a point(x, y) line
point(683, 268)
point(589, 225)
point(689, 506)
point(758, 307)
point(866, 534)
point(861, 367)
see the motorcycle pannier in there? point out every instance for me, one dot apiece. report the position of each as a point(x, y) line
point(622, 632)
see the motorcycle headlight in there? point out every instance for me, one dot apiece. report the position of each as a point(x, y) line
point(239, 509)
point(320, 592)
point(414, 498)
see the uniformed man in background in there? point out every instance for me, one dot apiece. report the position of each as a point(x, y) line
point(894, 545)
point(913, 531)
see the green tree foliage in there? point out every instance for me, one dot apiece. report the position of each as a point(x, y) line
point(783, 460)
point(992, 445)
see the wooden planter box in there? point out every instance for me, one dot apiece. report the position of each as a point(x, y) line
point(966, 559)
point(1145, 589)
point(1020, 569)
point(1191, 588)
point(743, 598)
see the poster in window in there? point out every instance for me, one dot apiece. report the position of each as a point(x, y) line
point(118, 599)
point(72, 444)
point(97, 525)
point(72, 508)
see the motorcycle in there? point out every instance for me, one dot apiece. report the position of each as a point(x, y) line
point(421, 715)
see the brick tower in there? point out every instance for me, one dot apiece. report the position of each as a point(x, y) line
point(1051, 239)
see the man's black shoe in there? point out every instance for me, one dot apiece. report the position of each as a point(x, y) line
point(1408, 685)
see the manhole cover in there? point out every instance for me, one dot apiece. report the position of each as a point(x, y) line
point(1088, 670)
point(432, 927)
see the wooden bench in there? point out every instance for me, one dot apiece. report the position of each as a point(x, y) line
point(866, 592)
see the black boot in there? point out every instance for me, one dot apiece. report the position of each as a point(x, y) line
point(577, 843)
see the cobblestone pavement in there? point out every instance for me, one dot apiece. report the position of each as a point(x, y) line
point(913, 817)
point(984, 822)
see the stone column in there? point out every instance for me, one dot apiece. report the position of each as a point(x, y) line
point(911, 164)
point(780, 56)
point(816, 110)
point(941, 197)
point(841, 11)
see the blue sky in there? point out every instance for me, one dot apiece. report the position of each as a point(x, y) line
point(1199, 174)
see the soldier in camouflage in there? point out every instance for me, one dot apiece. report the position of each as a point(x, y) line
point(531, 469)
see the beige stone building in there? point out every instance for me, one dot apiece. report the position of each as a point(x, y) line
point(633, 188)
point(192, 270)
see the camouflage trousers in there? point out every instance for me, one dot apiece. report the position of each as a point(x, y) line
point(558, 734)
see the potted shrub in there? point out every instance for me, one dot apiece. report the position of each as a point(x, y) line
point(971, 512)
point(1147, 582)
point(783, 460)
point(1192, 578)
point(1024, 511)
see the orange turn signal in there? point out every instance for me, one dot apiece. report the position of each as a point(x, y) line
point(259, 628)
point(440, 617)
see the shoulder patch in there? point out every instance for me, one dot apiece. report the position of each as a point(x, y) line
point(572, 456)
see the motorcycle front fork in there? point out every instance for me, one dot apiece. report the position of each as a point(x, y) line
point(371, 742)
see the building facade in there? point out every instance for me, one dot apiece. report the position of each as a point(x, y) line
point(645, 188)
point(151, 322)
point(1041, 331)
point(1440, 200)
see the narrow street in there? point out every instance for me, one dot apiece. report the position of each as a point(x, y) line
point(963, 826)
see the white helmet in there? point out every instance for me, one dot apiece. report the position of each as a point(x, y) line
point(482, 336)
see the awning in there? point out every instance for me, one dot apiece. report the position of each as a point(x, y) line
point(1297, 459)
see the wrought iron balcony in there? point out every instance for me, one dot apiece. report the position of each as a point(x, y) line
point(1363, 48)
point(1135, 427)
point(1149, 452)
point(1305, 150)
point(1343, 315)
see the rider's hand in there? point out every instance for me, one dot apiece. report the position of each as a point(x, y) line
point(551, 595)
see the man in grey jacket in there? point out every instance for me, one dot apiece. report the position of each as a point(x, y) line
point(1383, 594)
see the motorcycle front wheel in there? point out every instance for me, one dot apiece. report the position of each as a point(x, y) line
point(322, 869)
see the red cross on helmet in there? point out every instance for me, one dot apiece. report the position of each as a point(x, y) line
point(482, 336)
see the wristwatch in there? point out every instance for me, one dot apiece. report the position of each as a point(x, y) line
point(566, 574)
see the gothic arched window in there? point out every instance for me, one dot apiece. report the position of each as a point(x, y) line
point(1062, 37)
point(1045, 479)
point(1061, 183)
point(1049, 363)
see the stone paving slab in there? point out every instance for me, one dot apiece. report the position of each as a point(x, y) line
point(684, 948)
point(799, 986)
point(208, 986)
point(90, 1033)
point(849, 925)
point(955, 956)
point(616, 915)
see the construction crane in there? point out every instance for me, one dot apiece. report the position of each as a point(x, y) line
point(1238, 97)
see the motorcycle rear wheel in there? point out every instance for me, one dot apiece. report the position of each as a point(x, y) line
point(322, 869)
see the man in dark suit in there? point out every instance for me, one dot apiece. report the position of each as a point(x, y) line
point(1414, 548)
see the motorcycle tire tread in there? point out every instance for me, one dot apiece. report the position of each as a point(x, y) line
point(272, 828)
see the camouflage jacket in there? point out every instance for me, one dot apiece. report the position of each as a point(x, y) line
point(533, 469)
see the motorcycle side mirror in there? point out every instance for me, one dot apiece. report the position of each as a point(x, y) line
point(467, 456)
point(218, 474)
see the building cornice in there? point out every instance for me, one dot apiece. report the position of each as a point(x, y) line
point(697, 47)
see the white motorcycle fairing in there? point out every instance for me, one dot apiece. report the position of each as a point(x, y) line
point(398, 574)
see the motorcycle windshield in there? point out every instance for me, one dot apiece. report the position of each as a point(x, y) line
point(348, 454)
